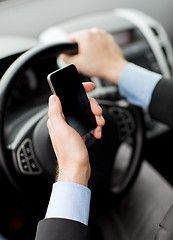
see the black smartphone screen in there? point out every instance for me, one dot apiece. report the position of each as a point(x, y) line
point(66, 84)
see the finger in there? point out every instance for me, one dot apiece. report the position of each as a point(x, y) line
point(100, 120)
point(54, 106)
point(50, 130)
point(84, 138)
point(49, 126)
point(57, 126)
point(88, 86)
point(55, 110)
point(67, 58)
point(97, 132)
point(95, 107)
point(75, 36)
point(52, 135)
point(97, 30)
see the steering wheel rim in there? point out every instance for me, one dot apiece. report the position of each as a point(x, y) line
point(118, 192)
point(14, 71)
point(136, 156)
point(17, 68)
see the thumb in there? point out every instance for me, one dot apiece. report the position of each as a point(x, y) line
point(55, 110)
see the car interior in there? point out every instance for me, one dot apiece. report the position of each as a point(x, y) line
point(33, 34)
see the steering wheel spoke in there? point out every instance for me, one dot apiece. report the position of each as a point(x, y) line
point(21, 145)
point(26, 159)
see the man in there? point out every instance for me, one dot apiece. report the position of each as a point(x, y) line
point(140, 87)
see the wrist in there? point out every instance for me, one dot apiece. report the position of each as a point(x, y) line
point(75, 175)
point(114, 70)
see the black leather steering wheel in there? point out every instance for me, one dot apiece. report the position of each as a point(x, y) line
point(26, 154)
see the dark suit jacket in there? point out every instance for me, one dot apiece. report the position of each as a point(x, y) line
point(161, 109)
point(61, 229)
point(161, 104)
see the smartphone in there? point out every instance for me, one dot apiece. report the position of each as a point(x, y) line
point(66, 84)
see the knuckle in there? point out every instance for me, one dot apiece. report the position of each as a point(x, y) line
point(96, 30)
point(91, 99)
point(88, 34)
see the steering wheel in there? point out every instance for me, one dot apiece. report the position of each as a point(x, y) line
point(26, 153)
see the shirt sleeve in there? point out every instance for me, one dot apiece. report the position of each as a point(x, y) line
point(136, 84)
point(69, 200)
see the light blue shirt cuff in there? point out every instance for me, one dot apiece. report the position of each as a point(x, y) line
point(136, 84)
point(69, 200)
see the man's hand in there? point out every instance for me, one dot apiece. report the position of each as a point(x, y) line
point(98, 55)
point(69, 147)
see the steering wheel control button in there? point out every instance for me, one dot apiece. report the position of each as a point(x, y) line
point(25, 167)
point(26, 160)
point(33, 165)
point(125, 122)
point(27, 149)
point(21, 155)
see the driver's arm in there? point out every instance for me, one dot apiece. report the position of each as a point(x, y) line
point(68, 209)
point(100, 56)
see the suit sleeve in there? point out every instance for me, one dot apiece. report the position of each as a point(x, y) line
point(161, 109)
point(161, 104)
point(61, 229)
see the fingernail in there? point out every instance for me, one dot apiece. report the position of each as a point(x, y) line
point(52, 99)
